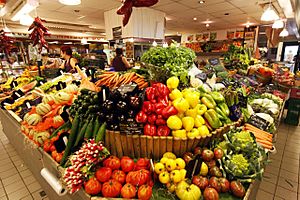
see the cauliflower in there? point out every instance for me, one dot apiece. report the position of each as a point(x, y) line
point(240, 162)
point(243, 136)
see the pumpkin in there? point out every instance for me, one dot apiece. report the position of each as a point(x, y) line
point(43, 109)
point(62, 97)
point(47, 98)
point(34, 119)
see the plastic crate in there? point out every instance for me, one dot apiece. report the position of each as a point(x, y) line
point(293, 114)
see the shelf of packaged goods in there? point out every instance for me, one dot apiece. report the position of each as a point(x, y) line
point(35, 158)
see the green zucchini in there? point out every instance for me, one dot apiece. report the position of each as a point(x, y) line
point(89, 130)
point(65, 126)
point(101, 132)
point(71, 140)
point(96, 127)
point(81, 133)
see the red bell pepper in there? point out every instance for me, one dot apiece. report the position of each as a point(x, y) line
point(160, 122)
point(152, 118)
point(161, 89)
point(169, 111)
point(163, 131)
point(159, 108)
point(148, 107)
point(150, 93)
point(141, 117)
point(150, 129)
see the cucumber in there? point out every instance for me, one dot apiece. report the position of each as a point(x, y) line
point(65, 126)
point(89, 130)
point(96, 127)
point(71, 140)
point(101, 132)
point(81, 133)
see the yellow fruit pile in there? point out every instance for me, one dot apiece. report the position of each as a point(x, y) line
point(170, 170)
point(189, 121)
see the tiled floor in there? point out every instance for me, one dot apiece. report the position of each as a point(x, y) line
point(16, 181)
point(280, 182)
point(281, 178)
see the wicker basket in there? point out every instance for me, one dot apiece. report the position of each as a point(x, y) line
point(137, 146)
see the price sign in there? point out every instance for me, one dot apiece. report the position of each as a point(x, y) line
point(28, 104)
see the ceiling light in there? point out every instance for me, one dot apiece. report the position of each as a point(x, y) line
point(207, 25)
point(70, 2)
point(284, 33)
point(26, 20)
point(269, 14)
point(248, 24)
point(278, 24)
point(207, 22)
point(84, 41)
point(195, 18)
point(131, 40)
point(26, 9)
point(201, 2)
point(154, 43)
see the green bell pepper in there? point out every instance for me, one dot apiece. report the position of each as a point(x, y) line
point(224, 108)
point(208, 101)
point(222, 116)
point(219, 98)
point(212, 118)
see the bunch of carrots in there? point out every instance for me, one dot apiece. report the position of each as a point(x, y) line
point(116, 79)
point(262, 137)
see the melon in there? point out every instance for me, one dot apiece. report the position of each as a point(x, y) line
point(34, 119)
point(47, 98)
point(72, 88)
point(43, 108)
point(62, 97)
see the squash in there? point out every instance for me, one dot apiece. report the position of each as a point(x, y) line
point(25, 117)
point(34, 119)
point(57, 119)
point(40, 137)
point(62, 98)
point(31, 133)
point(72, 88)
point(43, 108)
point(47, 98)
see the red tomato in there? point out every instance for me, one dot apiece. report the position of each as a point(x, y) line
point(92, 186)
point(237, 189)
point(112, 162)
point(127, 164)
point(128, 191)
point(142, 163)
point(52, 148)
point(210, 194)
point(119, 176)
point(145, 192)
point(103, 174)
point(215, 183)
point(138, 178)
point(111, 188)
point(47, 146)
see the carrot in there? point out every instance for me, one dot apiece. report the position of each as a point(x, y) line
point(144, 85)
point(259, 136)
point(265, 144)
point(252, 128)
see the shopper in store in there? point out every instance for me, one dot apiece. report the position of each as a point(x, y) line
point(70, 64)
point(120, 62)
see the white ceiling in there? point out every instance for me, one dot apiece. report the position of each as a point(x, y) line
point(180, 13)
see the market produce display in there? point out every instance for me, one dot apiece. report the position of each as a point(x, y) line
point(176, 136)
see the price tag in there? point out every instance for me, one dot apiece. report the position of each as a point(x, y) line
point(28, 105)
point(14, 84)
point(6, 104)
point(65, 139)
point(41, 82)
point(104, 95)
point(18, 95)
point(61, 72)
point(91, 72)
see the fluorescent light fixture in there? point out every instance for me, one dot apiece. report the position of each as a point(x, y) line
point(284, 33)
point(26, 9)
point(287, 8)
point(68, 43)
point(54, 42)
point(269, 14)
point(70, 2)
point(84, 41)
point(26, 20)
point(278, 24)
point(154, 43)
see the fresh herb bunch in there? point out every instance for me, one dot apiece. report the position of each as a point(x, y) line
point(170, 61)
